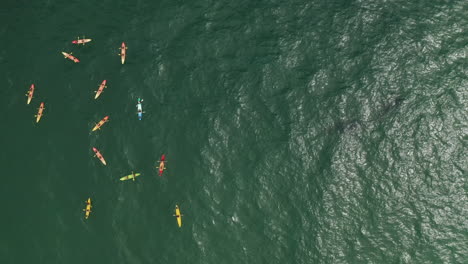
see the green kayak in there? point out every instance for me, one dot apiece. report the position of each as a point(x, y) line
point(131, 176)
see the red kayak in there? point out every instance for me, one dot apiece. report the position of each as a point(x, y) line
point(162, 166)
point(71, 57)
point(98, 154)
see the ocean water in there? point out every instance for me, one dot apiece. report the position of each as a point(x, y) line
point(295, 132)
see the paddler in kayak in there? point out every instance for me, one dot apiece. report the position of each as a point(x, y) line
point(162, 166)
point(39, 112)
point(140, 109)
point(70, 56)
point(101, 89)
point(178, 216)
point(123, 52)
point(99, 156)
point(131, 176)
point(88, 208)
point(102, 122)
point(81, 41)
point(30, 93)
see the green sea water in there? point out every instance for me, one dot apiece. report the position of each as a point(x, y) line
point(295, 132)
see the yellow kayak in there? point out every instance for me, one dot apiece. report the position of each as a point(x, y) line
point(39, 112)
point(101, 88)
point(88, 208)
point(123, 52)
point(102, 122)
point(30, 93)
point(178, 216)
point(81, 41)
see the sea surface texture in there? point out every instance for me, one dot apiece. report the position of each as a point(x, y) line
point(323, 131)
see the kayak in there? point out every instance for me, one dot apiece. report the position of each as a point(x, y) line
point(71, 57)
point(178, 216)
point(30, 93)
point(39, 112)
point(101, 88)
point(131, 176)
point(81, 41)
point(100, 157)
point(123, 52)
point(162, 166)
point(88, 208)
point(140, 109)
point(98, 125)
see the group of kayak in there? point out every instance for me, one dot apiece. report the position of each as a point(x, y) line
point(133, 176)
point(123, 53)
point(98, 126)
point(123, 50)
point(41, 108)
point(161, 168)
point(177, 214)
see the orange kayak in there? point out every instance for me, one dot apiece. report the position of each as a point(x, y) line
point(98, 125)
point(99, 156)
point(30, 93)
point(81, 41)
point(39, 112)
point(71, 57)
point(123, 52)
point(101, 88)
